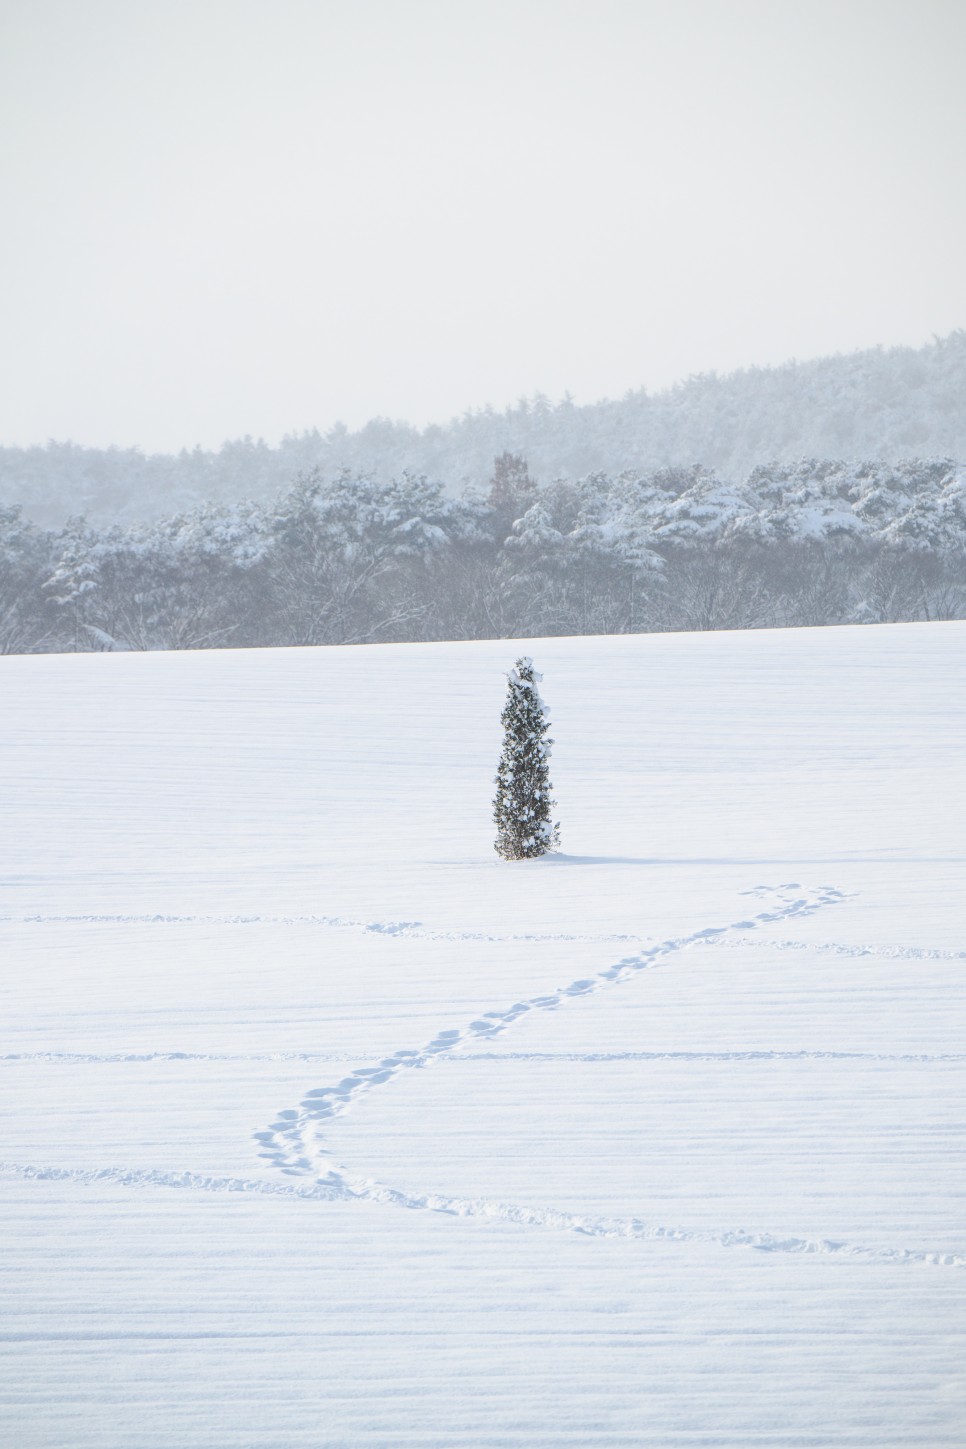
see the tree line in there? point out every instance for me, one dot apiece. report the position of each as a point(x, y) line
point(356, 559)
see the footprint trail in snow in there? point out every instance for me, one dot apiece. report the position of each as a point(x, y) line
point(295, 1141)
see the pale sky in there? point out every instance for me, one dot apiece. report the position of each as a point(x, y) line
point(223, 217)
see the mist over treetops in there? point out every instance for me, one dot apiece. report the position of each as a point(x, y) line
point(885, 404)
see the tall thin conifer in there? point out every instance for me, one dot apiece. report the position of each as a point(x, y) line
point(523, 804)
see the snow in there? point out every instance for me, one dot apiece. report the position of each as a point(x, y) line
point(321, 1125)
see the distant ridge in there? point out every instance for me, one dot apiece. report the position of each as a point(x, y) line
point(883, 403)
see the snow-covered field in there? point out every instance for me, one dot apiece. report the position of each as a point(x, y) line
point(322, 1126)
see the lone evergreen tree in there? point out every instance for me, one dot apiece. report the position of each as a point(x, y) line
point(523, 804)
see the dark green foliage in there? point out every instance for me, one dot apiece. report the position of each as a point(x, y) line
point(523, 805)
point(512, 491)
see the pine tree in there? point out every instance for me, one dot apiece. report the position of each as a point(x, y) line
point(512, 490)
point(523, 804)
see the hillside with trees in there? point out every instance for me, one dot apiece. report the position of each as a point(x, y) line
point(883, 405)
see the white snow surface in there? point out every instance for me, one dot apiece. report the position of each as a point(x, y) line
point(323, 1126)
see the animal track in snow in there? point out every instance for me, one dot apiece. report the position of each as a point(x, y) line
point(413, 930)
point(294, 1140)
point(155, 1177)
point(841, 948)
point(736, 1056)
point(110, 1058)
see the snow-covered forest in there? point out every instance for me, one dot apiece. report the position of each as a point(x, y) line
point(819, 493)
point(357, 559)
point(887, 404)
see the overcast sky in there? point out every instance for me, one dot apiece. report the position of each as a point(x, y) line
point(255, 216)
